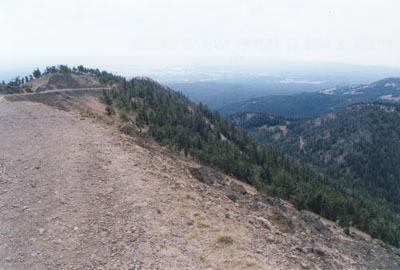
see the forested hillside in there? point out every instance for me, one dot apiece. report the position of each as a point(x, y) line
point(176, 122)
point(358, 145)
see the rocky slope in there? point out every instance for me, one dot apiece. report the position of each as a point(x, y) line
point(76, 193)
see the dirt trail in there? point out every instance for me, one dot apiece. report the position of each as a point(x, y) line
point(77, 195)
point(64, 90)
point(71, 197)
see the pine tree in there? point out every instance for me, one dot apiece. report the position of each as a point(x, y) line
point(36, 73)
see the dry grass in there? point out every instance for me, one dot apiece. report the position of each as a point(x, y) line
point(202, 225)
point(86, 114)
point(225, 239)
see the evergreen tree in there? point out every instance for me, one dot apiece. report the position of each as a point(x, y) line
point(36, 73)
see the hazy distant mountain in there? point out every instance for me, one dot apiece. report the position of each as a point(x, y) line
point(219, 93)
point(323, 102)
point(220, 85)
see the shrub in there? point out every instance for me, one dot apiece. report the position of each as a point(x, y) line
point(107, 98)
point(124, 117)
point(225, 239)
point(86, 113)
point(110, 110)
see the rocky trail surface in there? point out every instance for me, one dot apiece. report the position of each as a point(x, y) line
point(78, 194)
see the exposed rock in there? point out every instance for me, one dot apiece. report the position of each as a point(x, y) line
point(315, 223)
point(190, 223)
point(237, 188)
point(42, 231)
point(128, 129)
point(264, 222)
point(320, 227)
point(271, 201)
point(397, 252)
point(232, 196)
point(318, 251)
point(312, 249)
point(205, 175)
point(284, 223)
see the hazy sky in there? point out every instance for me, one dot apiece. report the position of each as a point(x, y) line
point(161, 32)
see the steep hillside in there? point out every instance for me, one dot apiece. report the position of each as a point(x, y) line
point(176, 122)
point(358, 145)
point(76, 193)
point(324, 102)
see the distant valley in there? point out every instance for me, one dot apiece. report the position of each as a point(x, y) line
point(220, 93)
point(320, 103)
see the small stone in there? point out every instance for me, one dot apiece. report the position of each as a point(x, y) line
point(237, 188)
point(304, 265)
point(42, 231)
point(190, 223)
point(319, 251)
point(205, 175)
point(397, 252)
point(315, 250)
point(233, 197)
point(264, 222)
